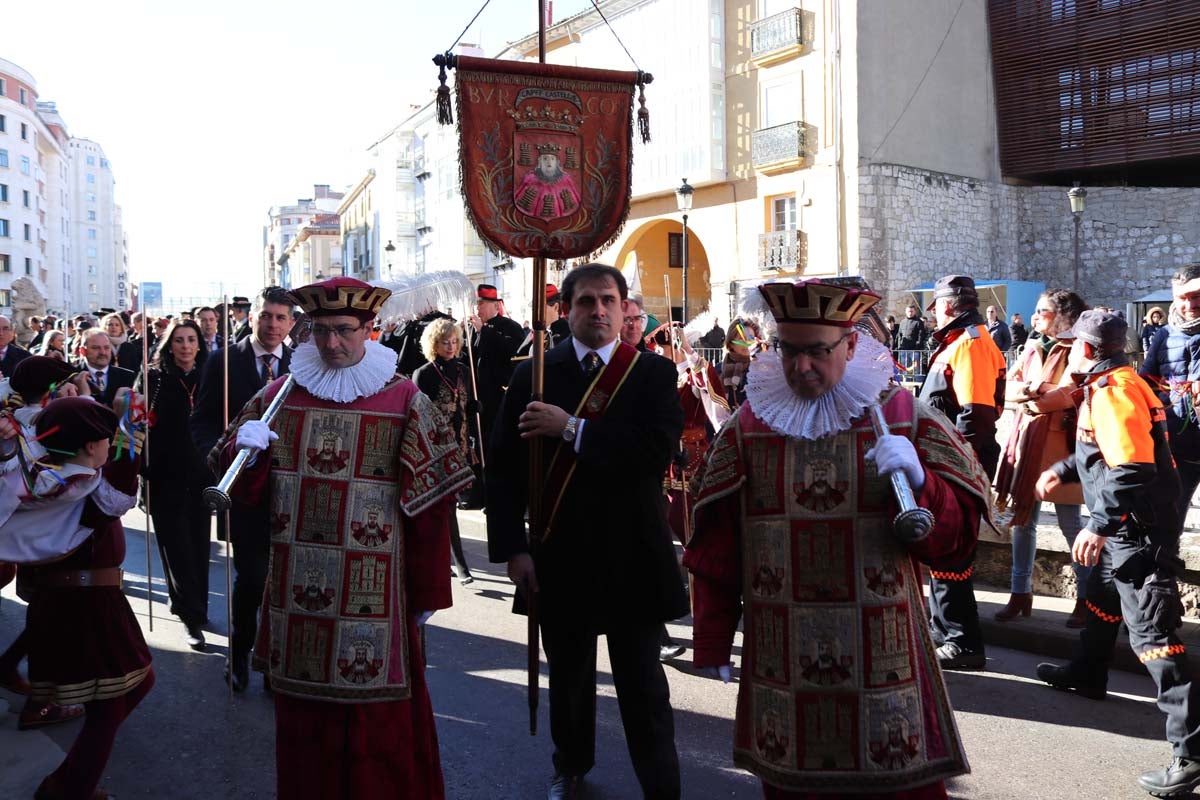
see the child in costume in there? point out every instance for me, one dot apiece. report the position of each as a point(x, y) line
point(62, 523)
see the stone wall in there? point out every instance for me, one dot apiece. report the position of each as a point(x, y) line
point(916, 225)
point(1132, 239)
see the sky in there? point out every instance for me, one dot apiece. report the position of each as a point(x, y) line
point(210, 113)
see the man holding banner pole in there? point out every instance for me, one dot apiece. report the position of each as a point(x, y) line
point(609, 422)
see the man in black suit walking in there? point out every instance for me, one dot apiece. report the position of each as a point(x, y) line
point(608, 426)
point(104, 376)
point(253, 363)
point(239, 314)
point(11, 353)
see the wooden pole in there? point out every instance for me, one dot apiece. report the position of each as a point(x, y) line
point(226, 517)
point(538, 354)
point(146, 447)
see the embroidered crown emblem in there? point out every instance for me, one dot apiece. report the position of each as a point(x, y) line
point(546, 119)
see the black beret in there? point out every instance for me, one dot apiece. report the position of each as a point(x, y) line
point(68, 423)
point(33, 377)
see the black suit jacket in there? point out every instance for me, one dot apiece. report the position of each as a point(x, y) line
point(495, 345)
point(129, 354)
point(609, 559)
point(115, 378)
point(13, 356)
point(245, 379)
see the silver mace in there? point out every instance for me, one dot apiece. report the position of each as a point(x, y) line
point(913, 523)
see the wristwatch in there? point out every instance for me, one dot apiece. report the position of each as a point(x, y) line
point(568, 433)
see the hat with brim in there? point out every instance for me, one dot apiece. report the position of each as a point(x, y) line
point(1102, 329)
point(959, 286)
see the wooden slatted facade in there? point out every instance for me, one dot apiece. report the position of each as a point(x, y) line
point(1094, 86)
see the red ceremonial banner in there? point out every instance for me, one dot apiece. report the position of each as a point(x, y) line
point(545, 154)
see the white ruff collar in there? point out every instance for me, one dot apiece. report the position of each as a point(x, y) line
point(774, 402)
point(344, 384)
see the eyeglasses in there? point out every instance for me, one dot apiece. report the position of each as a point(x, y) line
point(341, 331)
point(630, 320)
point(816, 352)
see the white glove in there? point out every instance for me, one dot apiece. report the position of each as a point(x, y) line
point(255, 433)
point(892, 453)
point(722, 672)
point(423, 617)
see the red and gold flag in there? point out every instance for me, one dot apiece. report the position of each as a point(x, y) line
point(545, 153)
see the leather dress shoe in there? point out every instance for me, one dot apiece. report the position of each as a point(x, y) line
point(195, 638)
point(563, 787)
point(951, 656)
point(237, 671)
point(1182, 775)
point(670, 651)
point(1062, 678)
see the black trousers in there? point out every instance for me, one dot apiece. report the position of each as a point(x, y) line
point(642, 695)
point(953, 613)
point(182, 524)
point(251, 539)
point(1156, 642)
point(456, 547)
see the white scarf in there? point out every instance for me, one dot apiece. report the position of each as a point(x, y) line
point(774, 402)
point(343, 384)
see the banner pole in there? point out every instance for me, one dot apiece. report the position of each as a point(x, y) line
point(228, 527)
point(146, 448)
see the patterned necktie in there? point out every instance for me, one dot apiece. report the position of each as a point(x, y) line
point(100, 380)
point(591, 364)
point(268, 374)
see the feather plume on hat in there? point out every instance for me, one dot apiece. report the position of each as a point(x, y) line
point(414, 296)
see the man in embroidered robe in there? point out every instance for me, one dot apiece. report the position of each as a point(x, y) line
point(1131, 487)
point(841, 693)
point(608, 426)
point(341, 616)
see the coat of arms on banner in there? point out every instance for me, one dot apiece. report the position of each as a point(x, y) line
point(545, 154)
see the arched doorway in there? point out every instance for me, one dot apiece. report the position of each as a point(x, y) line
point(656, 245)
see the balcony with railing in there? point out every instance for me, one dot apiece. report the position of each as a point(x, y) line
point(783, 251)
point(780, 36)
point(779, 148)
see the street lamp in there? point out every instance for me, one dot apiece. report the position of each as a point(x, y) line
point(1078, 197)
point(733, 298)
point(683, 196)
point(389, 249)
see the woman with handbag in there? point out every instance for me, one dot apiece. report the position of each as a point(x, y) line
point(177, 475)
point(1043, 433)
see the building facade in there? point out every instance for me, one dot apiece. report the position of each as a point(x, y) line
point(60, 226)
point(829, 137)
point(284, 222)
point(316, 253)
point(94, 226)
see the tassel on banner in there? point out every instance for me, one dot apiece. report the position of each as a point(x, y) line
point(445, 114)
point(643, 114)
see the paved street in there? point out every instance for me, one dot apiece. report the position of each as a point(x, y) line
point(189, 740)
